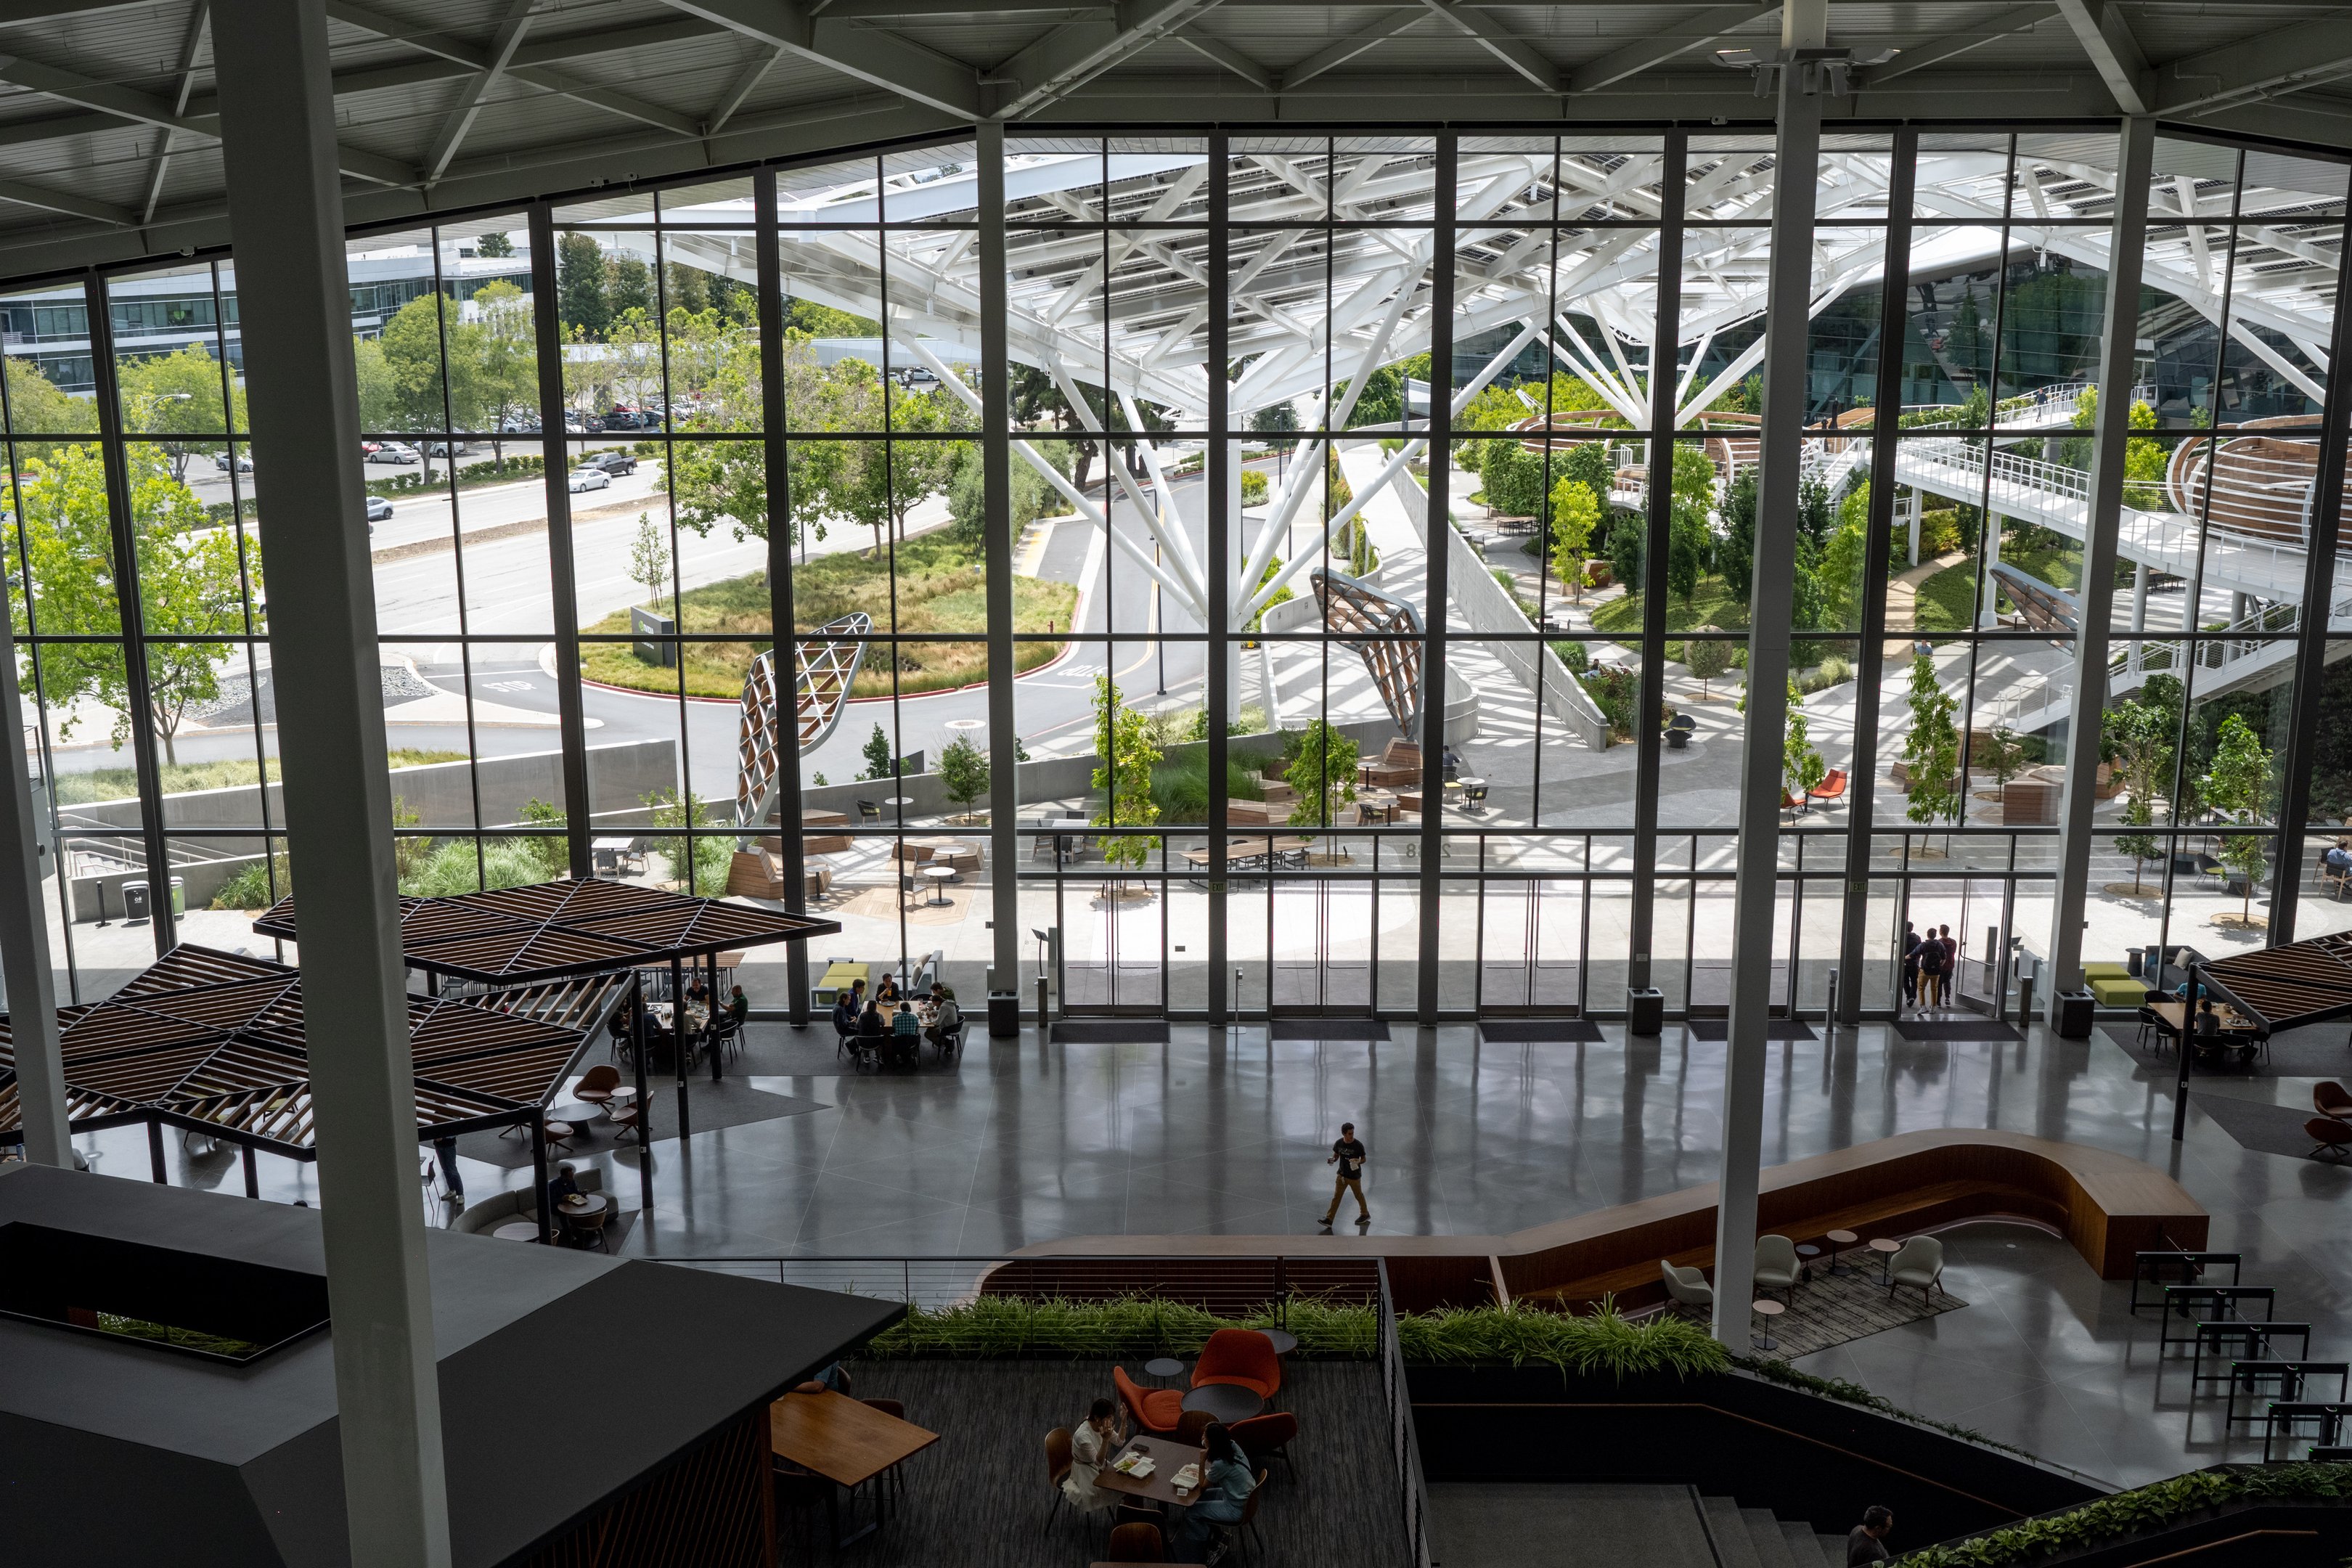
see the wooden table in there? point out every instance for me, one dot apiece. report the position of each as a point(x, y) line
point(1246, 852)
point(817, 816)
point(2176, 1017)
point(1169, 1457)
point(844, 1440)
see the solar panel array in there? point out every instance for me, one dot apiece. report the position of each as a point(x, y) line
point(216, 1041)
point(571, 927)
point(2302, 983)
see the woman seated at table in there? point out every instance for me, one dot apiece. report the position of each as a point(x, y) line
point(1226, 1483)
point(946, 1017)
point(1099, 1438)
point(873, 1028)
point(905, 1029)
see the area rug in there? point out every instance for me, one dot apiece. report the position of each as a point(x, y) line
point(1540, 1031)
point(916, 907)
point(1831, 1310)
point(2265, 1129)
point(710, 1108)
point(1329, 1029)
point(1922, 1029)
point(1776, 1029)
point(1111, 1032)
point(2317, 1051)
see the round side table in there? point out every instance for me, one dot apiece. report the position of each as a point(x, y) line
point(1838, 1241)
point(1283, 1340)
point(1806, 1253)
point(1886, 1247)
point(1164, 1366)
point(1767, 1309)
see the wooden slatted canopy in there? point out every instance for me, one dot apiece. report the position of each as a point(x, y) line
point(550, 930)
point(2302, 983)
point(214, 1042)
point(1385, 631)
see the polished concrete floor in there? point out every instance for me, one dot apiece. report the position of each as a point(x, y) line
point(1223, 1132)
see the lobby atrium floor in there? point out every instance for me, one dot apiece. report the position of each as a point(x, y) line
point(1224, 1132)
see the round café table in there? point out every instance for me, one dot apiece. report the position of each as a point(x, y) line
point(1767, 1309)
point(939, 877)
point(1886, 1247)
point(517, 1230)
point(1285, 1341)
point(1806, 1254)
point(1164, 1366)
point(1838, 1241)
point(1227, 1402)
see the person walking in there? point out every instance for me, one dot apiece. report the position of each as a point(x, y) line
point(1866, 1542)
point(1910, 964)
point(1951, 962)
point(1348, 1155)
point(1931, 971)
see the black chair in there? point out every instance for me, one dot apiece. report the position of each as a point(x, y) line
point(867, 811)
point(726, 1033)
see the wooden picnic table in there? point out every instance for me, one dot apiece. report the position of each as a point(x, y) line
point(1250, 851)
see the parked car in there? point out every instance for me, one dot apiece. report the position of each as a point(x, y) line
point(242, 463)
point(612, 462)
point(590, 478)
point(378, 510)
point(394, 452)
point(519, 424)
point(446, 448)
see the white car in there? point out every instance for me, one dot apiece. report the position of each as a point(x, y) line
point(589, 478)
point(394, 452)
point(378, 510)
point(243, 464)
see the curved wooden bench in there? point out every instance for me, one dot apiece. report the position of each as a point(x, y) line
point(2107, 1205)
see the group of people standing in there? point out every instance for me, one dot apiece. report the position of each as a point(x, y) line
point(1226, 1479)
point(1930, 962)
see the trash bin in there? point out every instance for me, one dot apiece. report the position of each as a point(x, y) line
point(1003, 1013)
point(134, 901)
point(1646, 1010)
point(2135, 961)
point(2071, 1013)
point(179, 897)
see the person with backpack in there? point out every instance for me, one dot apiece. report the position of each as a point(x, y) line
point(1931, 970)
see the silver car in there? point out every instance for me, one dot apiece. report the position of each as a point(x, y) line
point(589, 478)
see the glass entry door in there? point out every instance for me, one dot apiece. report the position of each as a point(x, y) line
point(1114, 944)
point(1980, 912)
point(1323, 933)
point(1531, 940)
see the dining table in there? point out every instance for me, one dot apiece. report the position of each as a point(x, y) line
point(845, 1440)
point(1167, 1456)
point(2239, 1033)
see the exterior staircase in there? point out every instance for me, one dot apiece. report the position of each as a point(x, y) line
point(1522, 1524)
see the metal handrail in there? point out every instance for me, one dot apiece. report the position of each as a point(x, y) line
point(1404, 1446)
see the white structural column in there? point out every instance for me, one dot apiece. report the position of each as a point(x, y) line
point(2117, 362)
point(1804, 25)
point(25, 941)
point(286, 220)
point(996, 521)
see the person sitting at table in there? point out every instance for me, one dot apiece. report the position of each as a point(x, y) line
point(697, 993)
point(846, 1006)
point(872, 1029)
point(1099, 1438)
point(905, 1030)
point(885, 991)
point(946, 1017)
point(562, 1185)
point(1226, 1482)
point(739, 1006)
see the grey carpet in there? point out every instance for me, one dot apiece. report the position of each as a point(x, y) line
point(978, 1499)
point(732, 1101)
point(2316, 1050)
point(1924, 1029)
point(1329, 1029)
point(2265, 1129)
point(1111, 1032)
point(1832, 1309)
point(1775, 1029)
point(1542, 1524)
point(1540, 1031)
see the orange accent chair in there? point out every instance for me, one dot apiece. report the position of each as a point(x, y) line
point(1243, 1357)
point(1156, 1410)
point(1832, 787)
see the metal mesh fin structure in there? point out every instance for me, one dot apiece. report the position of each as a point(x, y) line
point(1385, 632)
point(828, 663)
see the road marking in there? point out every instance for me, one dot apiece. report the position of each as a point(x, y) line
point(1032, 553)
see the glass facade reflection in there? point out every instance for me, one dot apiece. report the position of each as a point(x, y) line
point(604, 481)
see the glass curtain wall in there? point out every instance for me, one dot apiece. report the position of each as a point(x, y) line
point(1400, 760)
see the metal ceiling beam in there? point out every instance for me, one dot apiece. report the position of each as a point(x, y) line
point(200, 18)
point(746, 82)
point(1075, 53)
point(1638, 56)
point(2100, 29)
point(871, 55)
point(471, 97)
point(1225, 54)
point(1499, 41)
point(2277, 61)
point(1332, 56)
point(473, 56)
point(17, 190)
point(1935, 51)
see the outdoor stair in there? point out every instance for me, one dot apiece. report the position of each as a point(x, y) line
point(1521, 1524)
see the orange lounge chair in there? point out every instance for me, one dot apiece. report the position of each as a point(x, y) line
point(1243, 1357)
point(1156, 1410)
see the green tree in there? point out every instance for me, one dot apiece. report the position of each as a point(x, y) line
point(1128, 746)
point(1735, 552)
point(727, 481)
point(499, 346)
point(581, 303)
point(1707, 660)
point(379, 407)
point(36, 406)
point(1931, 750)
point(1513, 478)
point(549, 852)
point(2139, 736)
point(1273, 419)
point(1628, 541)
point(629, 286)
point(1690, 540)
point(494, 245)
point(697, 865)
point(1323, 774)
point(963, 770)
point(1575, 513)
point(650, 561)
point(2237, 784)
point(178, 397)
point(412, 362)
point(881, 762)
point(188, 577)
point(2141, 847)
point(1801, 768)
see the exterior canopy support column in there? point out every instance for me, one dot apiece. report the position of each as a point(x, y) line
point(786, 718)
point(285, 213)
point(1220, 663)
point(1439, 517)
point(996, 526)
point(25, 941)
point(2117, 360)
point(1796, 158)
point(1664, 389)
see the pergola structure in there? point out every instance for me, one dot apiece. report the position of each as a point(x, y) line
point(550, 931)
point(213, 1043)
point(2279, 988)
point(1385, 633)
point(826, 665)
